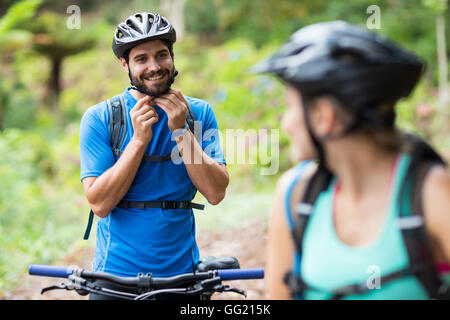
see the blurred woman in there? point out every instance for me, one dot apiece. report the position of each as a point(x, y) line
point(368, 218)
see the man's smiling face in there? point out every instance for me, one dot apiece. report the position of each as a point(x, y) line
point(150, 67)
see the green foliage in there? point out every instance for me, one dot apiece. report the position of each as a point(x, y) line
point(410, 23)
point(51, 35)
point(19, 12)
point(36, 215)
point(18, 105)
point(439, 6)
point(259, 21)
point(91, 77)
point(13, 40)
point(42, 205)
point(202, 16)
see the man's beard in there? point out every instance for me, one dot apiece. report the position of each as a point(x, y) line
point(157, 89)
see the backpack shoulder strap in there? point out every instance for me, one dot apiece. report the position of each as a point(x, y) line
point(87, 232)
point(316, 184)
point(295, 174)
point(193, 125)
point(411, 219)
point(117, 122)
point(190, 118)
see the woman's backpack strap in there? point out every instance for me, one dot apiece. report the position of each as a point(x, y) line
point(303, 210)
point(411, 219)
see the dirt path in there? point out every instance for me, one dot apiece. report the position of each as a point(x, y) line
point(248, 245)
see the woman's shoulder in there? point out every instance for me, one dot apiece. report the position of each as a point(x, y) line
point(437, 191)
point(436, 201)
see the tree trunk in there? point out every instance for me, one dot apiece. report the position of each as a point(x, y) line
point(442, 62)
point(54, 84)
point(175, 13)
point(444, 87)
point(2, 107)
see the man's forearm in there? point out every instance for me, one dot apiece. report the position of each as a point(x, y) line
point(209, 177)
point(110, 187)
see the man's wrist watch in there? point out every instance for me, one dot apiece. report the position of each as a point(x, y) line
point(181, 131)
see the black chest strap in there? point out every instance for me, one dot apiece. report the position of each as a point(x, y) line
point(144, 205)
point(297, 285)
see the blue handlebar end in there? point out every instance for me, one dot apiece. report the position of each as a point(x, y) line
point(49, 271)
point(241, 274)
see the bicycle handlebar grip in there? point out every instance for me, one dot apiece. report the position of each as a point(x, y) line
point(238, 274)
point(49, 271)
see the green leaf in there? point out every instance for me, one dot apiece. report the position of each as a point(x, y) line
point(439, 6)
point(19, 12)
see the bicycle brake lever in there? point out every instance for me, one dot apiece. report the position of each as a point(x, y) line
point(236, 290)
point(54, 287)
point(215, 285)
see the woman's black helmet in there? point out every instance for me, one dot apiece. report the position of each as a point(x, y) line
point(141, 27)
point(365, 72)
point(359, 67)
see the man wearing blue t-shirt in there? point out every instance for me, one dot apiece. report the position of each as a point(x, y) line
point(132, 236)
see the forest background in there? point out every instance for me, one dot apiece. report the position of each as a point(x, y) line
point(56, 61)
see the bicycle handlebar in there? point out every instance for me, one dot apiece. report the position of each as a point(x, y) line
point(224, 274)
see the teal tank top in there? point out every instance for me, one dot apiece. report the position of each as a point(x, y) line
point(327, 263)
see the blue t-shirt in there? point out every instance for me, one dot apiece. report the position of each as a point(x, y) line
point(160, 241)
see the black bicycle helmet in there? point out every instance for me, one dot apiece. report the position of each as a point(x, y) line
point(358, 66)
point(141, 27)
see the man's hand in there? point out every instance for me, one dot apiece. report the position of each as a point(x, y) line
point(142, 117)
point(175, 106)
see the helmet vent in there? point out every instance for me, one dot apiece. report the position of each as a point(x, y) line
point(130, 24)
point(347, 56)
point(139, 17)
